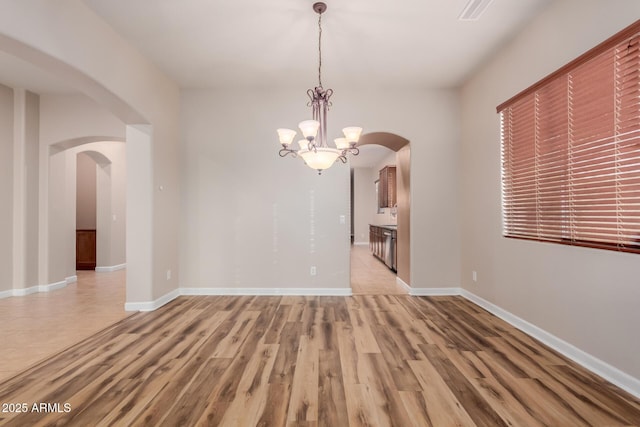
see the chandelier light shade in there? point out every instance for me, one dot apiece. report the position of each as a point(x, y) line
point(320, 158)
point(313, 149)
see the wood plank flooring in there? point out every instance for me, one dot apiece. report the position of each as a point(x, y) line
point(313, 361)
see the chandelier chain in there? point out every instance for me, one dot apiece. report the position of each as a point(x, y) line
point(320, 49)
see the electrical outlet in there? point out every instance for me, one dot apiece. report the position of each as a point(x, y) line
point(474, 275)
point(312, 271)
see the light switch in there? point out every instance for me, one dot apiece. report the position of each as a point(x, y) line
point(342, 219)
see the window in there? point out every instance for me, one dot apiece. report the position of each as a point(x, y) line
point(571, 151)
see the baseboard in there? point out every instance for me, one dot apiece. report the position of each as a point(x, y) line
point(606, 371)
point(111, 268)
point(21, 292)
point(267, 291)
point(434, 292)
point(401, 282)
point(360, 243)
point(53, 286)
point(152, 305)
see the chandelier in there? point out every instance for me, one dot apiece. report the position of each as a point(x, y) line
point(313, 149)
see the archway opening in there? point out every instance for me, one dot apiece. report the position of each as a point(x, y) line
point(380, 215)
point(86, 204)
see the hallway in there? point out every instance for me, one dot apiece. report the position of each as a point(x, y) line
point(37, 326)
point(369, 275)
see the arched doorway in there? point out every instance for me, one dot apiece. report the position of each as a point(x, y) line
point(397, 216)
point(102, 167)
point(107, 155)
point(86, 215)
point(145, 102)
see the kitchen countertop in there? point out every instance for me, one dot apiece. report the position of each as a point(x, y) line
point(388, 227)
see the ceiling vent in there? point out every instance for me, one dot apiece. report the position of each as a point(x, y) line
point(473, 10)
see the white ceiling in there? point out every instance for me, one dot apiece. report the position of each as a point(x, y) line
point(253, 43)
point(240, 43)
point(366, 43)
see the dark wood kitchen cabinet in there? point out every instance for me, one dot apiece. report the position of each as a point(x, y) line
point(382, 243)
point(387, 187)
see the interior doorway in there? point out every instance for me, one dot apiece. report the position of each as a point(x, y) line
point(380, 201)
point(86, 205)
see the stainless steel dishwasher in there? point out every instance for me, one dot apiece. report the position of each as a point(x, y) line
point(388, 248)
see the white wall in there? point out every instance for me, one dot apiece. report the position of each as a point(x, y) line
point(247, 214)
point(111, 182)
point(365, 205)
point(85, 192)
point(19, 122)
point(250, 218)
point(586, 297)
point(73, 43)
point(6, 188)
point(71, 116)
point(30, 186)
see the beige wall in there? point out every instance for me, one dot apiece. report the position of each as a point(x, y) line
point(19, 188)
point(403, 179)
point(76, 45)
point(111, 182)
point(365, 204)
point(31, 177)
point(250, 218)
point(247, 214)
point(6, 188)
point(586, 297)
point(68, 117)
point(85, 192)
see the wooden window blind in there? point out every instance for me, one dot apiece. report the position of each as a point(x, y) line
point(571, 151)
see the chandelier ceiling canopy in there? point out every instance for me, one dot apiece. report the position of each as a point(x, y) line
point(313, 149)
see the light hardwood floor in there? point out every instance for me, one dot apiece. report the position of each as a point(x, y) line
point(370, 276)
point(42, 324)
point(366, 360)
point(38, 325)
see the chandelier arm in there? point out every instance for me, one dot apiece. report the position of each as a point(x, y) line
point(355, 151)
point(342, 158)
point(327, 95)
point(311, 146)
point(286, 151)
point(311, 95)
